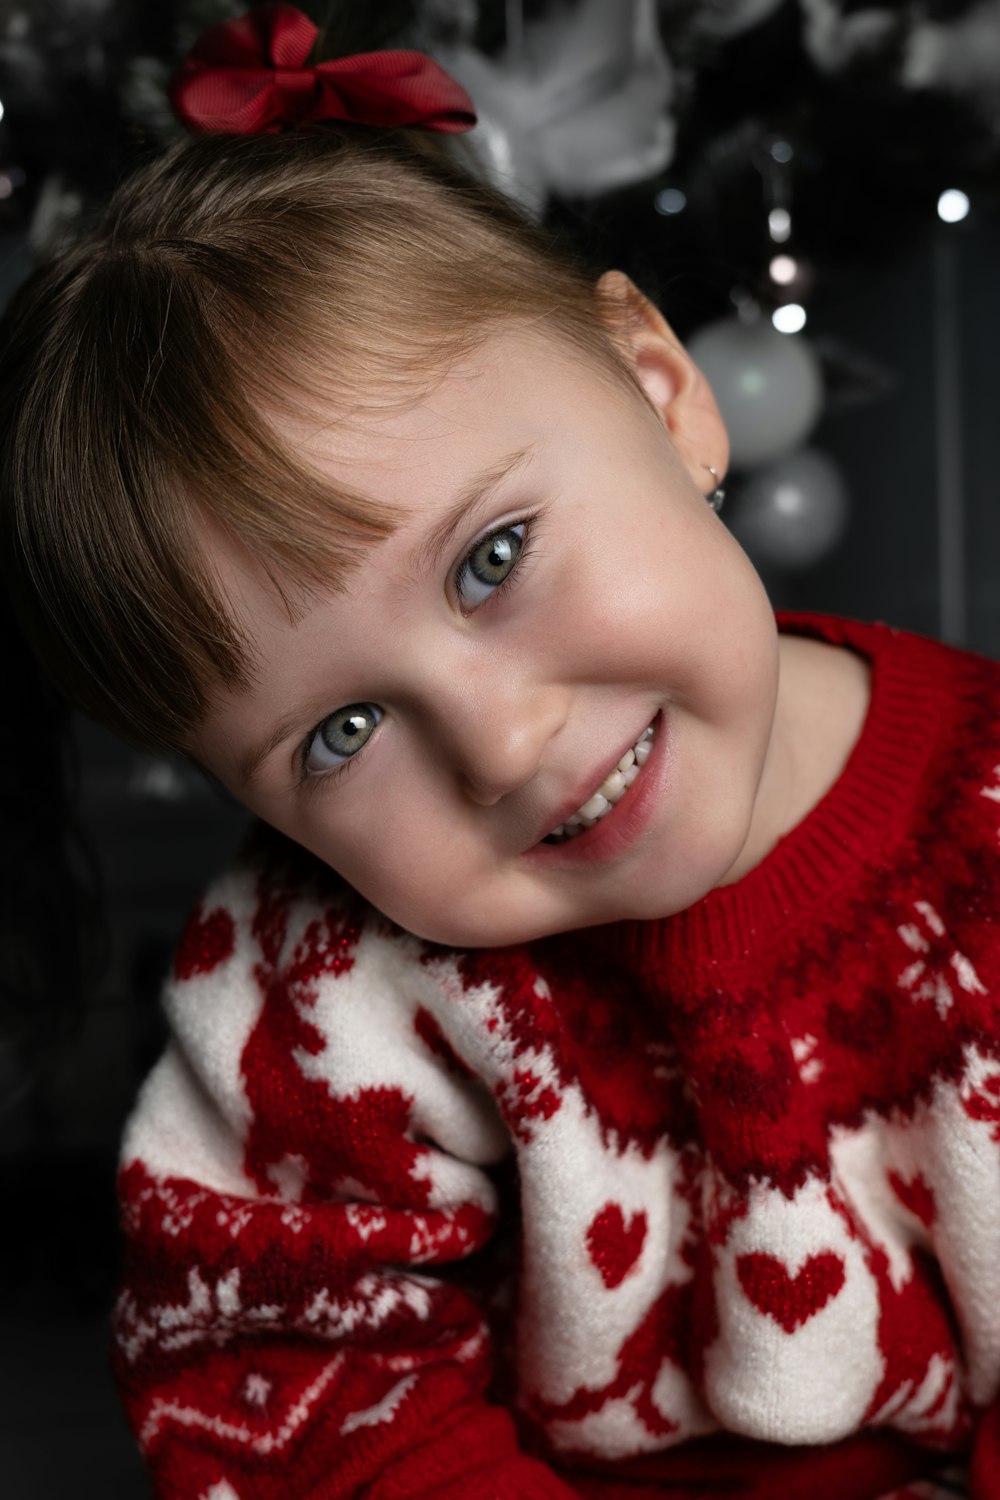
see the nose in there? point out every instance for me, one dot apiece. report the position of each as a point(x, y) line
point(495, 728)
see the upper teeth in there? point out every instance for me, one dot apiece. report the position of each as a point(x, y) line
point(611, 790)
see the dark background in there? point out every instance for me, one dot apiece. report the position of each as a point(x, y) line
point(106, 848)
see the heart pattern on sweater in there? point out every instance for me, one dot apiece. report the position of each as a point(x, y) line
point(614, 1246)
point(790, 1300)
point(915, 1195)
point(206, 942)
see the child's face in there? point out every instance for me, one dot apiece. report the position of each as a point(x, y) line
point(492, 693)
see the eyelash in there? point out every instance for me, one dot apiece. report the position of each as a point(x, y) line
point(310, 784)
point(526, 551)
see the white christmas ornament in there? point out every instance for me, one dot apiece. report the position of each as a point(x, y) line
point(768, 385)
point(580, 106)
point(728, 18)
point(793, 512)
point(952, 49)
point(836, 35)
point(958, 55)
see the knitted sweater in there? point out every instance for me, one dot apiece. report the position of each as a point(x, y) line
point(707, 1205)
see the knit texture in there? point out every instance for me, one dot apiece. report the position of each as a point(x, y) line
point(709, 1205)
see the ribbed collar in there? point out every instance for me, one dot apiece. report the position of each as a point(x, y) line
point(865, 811)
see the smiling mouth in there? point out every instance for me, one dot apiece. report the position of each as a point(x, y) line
point(610, 792)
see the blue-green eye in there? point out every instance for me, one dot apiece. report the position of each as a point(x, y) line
point(489, 564)
point(340, 735)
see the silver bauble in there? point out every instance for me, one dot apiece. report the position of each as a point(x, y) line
point(792, 513)
point(768, 385)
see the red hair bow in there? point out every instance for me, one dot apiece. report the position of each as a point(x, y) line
point(249, 76)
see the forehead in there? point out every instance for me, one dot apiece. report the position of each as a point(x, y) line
point(500, 416)
point(421, 456)
point(391, 448)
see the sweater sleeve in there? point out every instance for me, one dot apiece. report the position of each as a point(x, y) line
point(305, 1198)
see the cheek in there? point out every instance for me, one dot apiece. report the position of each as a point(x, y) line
point(434, 876)
point(396, 849)
point(673, 595)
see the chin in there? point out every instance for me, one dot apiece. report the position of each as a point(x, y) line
point(449, 932)
point(488, 933)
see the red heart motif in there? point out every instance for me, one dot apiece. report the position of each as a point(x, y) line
point(915, 1195)
point(790, 1300)
point(205, 943)
point(613, 1245)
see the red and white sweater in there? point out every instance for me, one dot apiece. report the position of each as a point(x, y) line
point(709, 1205)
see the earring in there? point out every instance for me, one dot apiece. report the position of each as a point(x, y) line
point(716, 496)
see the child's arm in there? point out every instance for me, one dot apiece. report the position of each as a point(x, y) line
point(304, 1169)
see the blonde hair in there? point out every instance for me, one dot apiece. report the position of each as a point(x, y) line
point(232, 278)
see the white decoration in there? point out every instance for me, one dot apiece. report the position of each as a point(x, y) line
point(768, 386)
point(727, 18)
point(958, 56)
point(580, 107)
point(954, 54)
point(835, 38)
point(792, 513)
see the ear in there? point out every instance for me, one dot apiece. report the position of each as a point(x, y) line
point(671, 381)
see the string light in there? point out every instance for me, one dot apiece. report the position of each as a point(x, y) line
point(670, 200)
point(791, 318)
point(783, 269)
point(779, 225)
point(953, 205)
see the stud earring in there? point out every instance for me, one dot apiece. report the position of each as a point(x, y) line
point(716, 496)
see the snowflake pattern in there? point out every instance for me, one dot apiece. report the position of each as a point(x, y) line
point(939, 965)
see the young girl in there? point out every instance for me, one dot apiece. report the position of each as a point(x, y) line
point(622, 1117)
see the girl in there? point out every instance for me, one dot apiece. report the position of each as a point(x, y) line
point(621, 1117)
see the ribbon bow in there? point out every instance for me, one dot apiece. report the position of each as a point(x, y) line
point(249, 76)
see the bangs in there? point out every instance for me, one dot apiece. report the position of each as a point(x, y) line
point(180, 436)
point(235, 282)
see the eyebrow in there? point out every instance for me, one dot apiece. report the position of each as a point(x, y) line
point(249, 764)
point(479, 489)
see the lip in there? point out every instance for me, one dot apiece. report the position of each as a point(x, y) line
point(625, 822)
